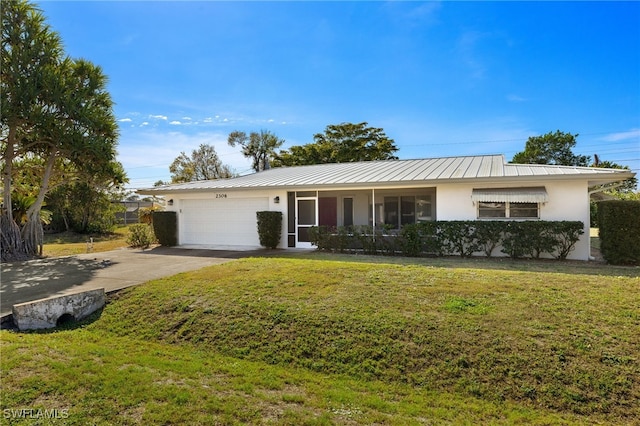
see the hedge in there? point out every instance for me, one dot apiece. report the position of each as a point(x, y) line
point(269, 228)
point(619, 222)
point(464, 238)
point(165, 228)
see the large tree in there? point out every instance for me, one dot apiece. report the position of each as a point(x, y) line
point(552, 148)
point(617, 189)
point(86, 205)
point(55, 109)
point(203, 164)
point(260, 147)
point(30, 51)
point(79, 131)
point(341, 143)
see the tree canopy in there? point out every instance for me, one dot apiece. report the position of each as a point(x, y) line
point(260, 147)
point(341, 143)
point(203, 164)
point(56, 112)
point(622, 189)
point(554, 148)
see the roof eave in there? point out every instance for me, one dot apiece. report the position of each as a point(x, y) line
point(592, 179)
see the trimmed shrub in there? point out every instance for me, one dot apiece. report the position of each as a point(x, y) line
point(140, 236)
point(459, 237)
point(489, 235)
point(543, 238)
point(366, 239)
point(165, 228)
point(269, 228)
point(516, 241)
point(464, 238)
point(565, 235)
point(342, 240)
point(430, 240)
point(533, 238)
point(320, 236)
point(620, 231)
point(411, 240)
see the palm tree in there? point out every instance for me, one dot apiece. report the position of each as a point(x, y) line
point(20, 205)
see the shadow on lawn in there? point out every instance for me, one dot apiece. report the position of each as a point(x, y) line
point(503, 263)
point(196, 252)
point(33, 280)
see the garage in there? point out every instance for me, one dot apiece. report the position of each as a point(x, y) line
point(221, 221)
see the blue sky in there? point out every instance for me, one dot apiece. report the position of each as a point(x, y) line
point(441, 78)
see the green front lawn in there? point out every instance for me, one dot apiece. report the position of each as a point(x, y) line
point(70, 243)
point(321, 339)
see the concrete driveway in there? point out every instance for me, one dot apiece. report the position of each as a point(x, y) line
point(37, 279)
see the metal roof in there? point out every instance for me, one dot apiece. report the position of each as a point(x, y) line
point(367, 174)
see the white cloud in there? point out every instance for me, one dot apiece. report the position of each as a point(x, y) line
point(129, 39)
point(622, 136)
point(516, 98)
point(408, 14)
point(159, 120)
point(467, 48)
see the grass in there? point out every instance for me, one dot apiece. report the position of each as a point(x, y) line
point(594, 234)
point(325, 339)
point(68, 243)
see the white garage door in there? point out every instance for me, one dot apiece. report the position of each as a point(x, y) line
point(221, 221)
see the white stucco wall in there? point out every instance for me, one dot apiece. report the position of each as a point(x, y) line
point(230, 195)
point(568, 200)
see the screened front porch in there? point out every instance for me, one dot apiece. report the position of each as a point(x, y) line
point(380, 208)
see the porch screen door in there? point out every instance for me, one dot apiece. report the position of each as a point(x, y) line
point(307, 217)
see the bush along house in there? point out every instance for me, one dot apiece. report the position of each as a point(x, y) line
point(385, 197)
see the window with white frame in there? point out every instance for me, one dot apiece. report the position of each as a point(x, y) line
point(524, 210)
point(394, 211)
point(509, 203)
point(492, 210)
point(505, 209)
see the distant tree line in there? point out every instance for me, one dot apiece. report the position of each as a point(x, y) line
point(348, 142)
point(340, 143)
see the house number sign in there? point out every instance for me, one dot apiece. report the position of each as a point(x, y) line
point(221, 195)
